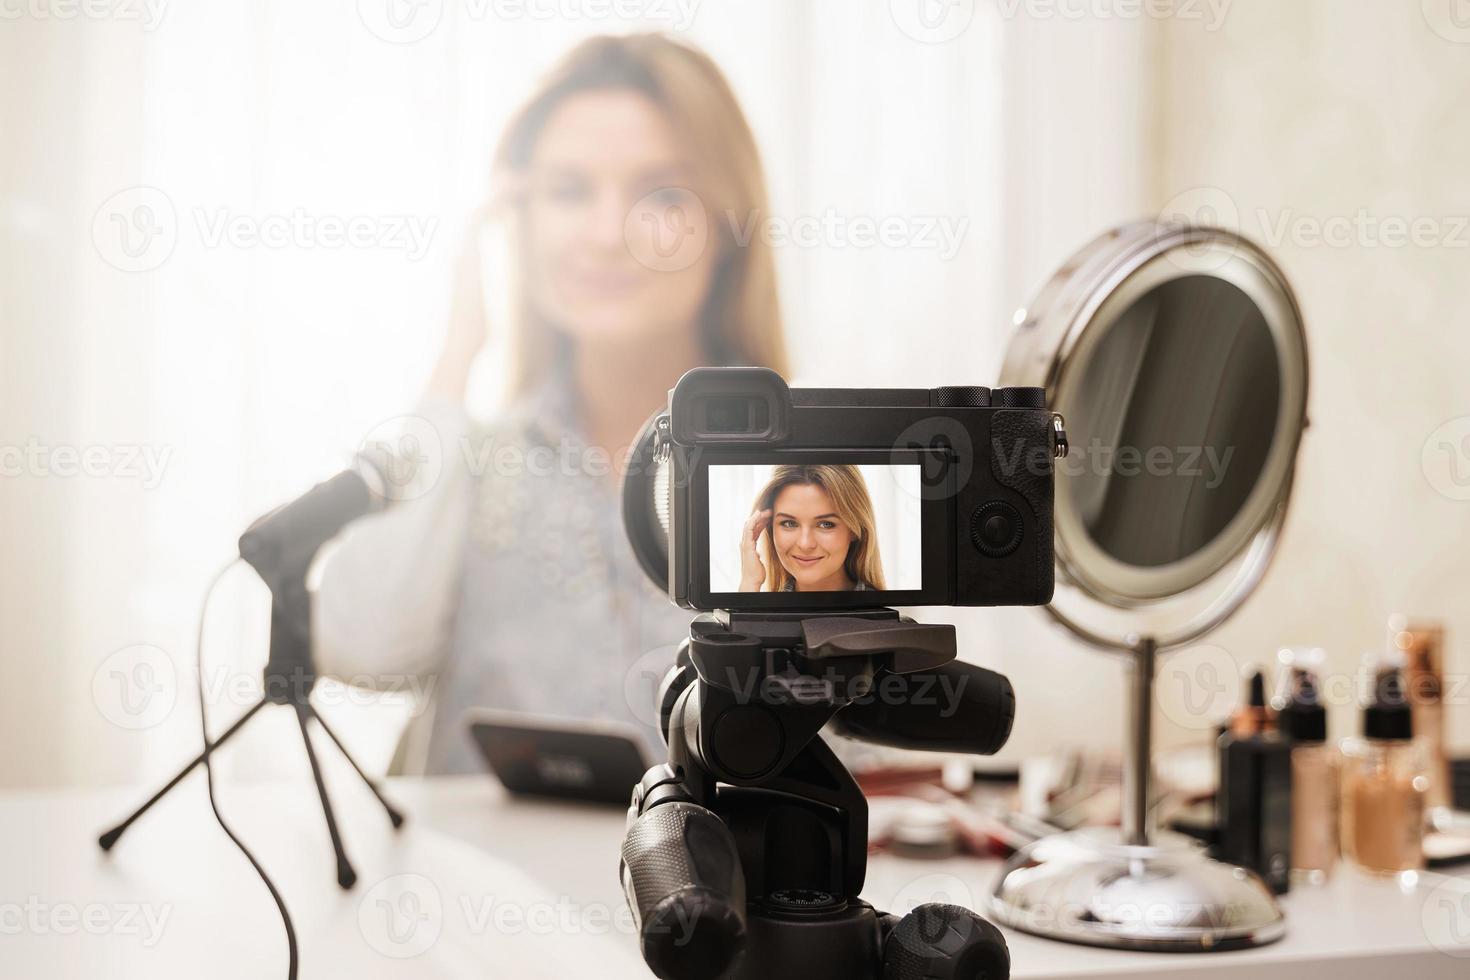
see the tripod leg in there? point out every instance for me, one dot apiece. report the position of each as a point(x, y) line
point(346, 877)
point(393, 813)
point(108, 839)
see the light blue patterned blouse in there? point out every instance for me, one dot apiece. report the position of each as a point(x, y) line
point(554, 616)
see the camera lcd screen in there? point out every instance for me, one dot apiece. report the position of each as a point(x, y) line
point(815, 527)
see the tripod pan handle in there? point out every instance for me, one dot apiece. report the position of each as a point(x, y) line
point(681, 873)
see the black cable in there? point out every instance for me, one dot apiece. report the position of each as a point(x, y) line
point(209, 780)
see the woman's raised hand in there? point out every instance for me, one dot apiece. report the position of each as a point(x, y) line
point(752, 570)
point(469, 326)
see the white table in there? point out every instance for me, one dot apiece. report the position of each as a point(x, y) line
point(478, 885)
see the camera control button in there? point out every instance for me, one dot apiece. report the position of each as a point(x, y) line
point(996, 529)
point(963, 396)
point(1019, 397)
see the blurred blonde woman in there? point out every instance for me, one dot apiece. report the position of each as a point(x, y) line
point(504, 578)
point(812, 530)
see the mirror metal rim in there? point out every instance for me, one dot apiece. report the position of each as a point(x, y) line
point(1054, 337)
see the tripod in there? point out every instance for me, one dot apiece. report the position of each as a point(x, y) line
point(746, 852)
point(281, 553)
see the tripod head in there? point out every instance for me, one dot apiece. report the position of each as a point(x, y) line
point(746, 852)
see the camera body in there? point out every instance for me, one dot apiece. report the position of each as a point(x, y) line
point(960, 481)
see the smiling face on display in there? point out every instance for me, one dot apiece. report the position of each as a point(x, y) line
point(810, 540)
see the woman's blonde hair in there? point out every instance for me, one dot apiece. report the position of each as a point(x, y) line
point(740, 322)
point(850, 501)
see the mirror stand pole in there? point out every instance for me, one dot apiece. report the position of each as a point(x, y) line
point(1138, 745)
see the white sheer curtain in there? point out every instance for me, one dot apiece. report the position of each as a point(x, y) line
point(225, 239)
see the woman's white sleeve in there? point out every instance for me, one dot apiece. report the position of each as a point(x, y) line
point(385, 594)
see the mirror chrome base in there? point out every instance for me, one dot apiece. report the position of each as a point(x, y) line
point(1088, 887)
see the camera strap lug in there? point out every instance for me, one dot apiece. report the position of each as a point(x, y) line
point(663, 443)
point(1059, 443)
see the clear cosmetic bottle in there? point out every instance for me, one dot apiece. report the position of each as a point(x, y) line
point(1384, 782)
point(1316, 770)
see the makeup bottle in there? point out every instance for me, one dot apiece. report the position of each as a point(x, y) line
point(1301, 718)
point(1254, 805)
point(1421, 645)
point(1384, 781)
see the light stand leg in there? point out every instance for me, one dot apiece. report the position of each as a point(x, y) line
point(393, 813)
point(346, 877)
point(110, 837)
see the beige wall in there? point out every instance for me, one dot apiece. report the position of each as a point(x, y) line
point(1314, 112)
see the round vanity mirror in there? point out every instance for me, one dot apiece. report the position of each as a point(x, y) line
point(1178, 358)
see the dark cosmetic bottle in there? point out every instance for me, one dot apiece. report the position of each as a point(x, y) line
point(1253, 806)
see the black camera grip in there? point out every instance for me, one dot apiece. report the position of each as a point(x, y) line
point(957, 707)
point(682, 876)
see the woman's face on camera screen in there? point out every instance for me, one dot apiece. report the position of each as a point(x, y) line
point(811, 541)
point(618, 249)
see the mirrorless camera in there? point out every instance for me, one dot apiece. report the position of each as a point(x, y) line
point(951, 487)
